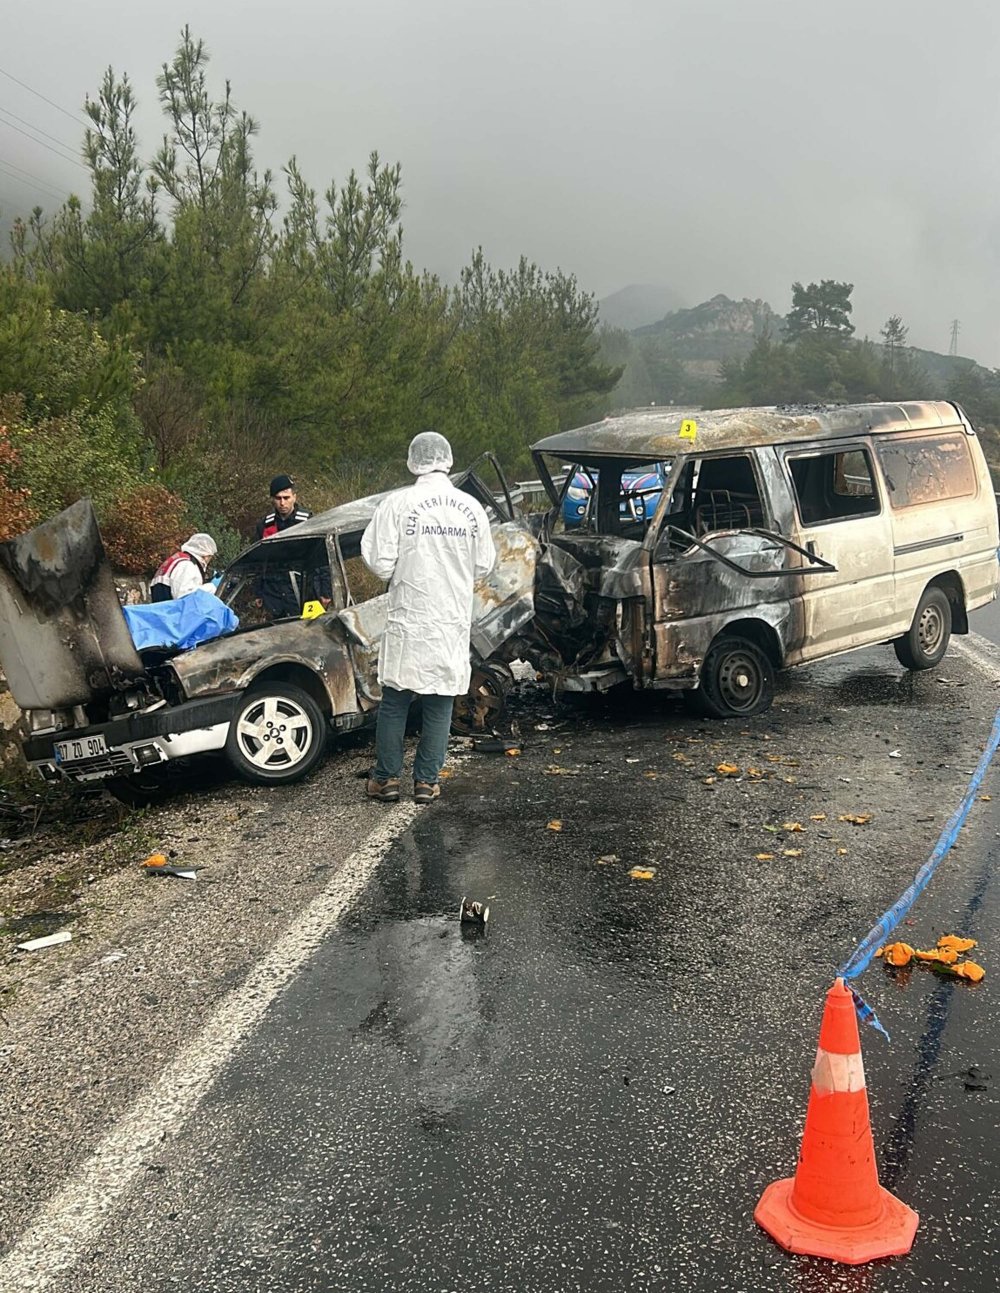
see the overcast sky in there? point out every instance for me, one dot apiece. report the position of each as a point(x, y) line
point(706, 145)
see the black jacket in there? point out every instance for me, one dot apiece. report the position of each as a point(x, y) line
point(277, 590)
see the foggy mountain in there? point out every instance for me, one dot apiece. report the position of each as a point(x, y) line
point(721, 328)
point(717, 329)
point(638, 304)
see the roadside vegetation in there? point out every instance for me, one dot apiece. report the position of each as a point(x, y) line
point(193, 324)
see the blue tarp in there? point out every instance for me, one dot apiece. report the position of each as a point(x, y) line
point(183, 623)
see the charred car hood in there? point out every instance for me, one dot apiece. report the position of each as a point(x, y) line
point(63, 637)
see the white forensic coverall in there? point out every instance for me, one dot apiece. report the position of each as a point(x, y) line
point(431, 541)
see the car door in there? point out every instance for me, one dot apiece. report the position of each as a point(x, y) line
point(842, 515)
point(714, 560)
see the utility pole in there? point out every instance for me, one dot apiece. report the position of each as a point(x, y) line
point(953, 348)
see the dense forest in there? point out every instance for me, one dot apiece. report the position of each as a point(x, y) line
point(194, 325)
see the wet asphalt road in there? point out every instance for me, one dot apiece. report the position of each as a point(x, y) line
point(987, 622)
point(594, 1093)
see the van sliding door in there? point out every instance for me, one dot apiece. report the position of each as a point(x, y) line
point(842, 516)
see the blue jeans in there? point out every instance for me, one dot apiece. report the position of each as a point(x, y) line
point(432, 747)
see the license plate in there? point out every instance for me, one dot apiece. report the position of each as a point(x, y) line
point(86, 747)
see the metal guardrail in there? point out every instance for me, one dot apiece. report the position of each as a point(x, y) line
point(528, 491)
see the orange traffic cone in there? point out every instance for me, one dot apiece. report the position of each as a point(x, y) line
point(834, 1206)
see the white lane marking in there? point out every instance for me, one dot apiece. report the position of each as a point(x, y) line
point(980, 653)
point(74, 1217)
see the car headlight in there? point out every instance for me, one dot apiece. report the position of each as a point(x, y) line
point(576, 493)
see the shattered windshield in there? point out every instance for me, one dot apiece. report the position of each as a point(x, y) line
point(606, 495)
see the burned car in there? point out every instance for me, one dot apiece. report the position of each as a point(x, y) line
point(267, 695)
point(767, 537)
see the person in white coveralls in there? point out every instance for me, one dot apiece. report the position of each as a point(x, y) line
point(185, 571)
point(431, 542)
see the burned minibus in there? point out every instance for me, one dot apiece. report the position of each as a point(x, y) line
point(777, 536)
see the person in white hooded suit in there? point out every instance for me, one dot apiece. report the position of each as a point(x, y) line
point(431, 542)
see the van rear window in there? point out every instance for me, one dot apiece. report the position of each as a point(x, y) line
point(927, 469)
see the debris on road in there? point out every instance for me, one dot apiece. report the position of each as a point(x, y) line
point(473, 913)
point(157, 864)
point(642, 873)
point(956, 943)
point(943, 959)
point(495, 745)
point(856, 819)
point(607, 859)
point(50, 940)
point(554, 825)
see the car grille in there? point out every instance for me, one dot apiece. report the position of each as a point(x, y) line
point(113, 761)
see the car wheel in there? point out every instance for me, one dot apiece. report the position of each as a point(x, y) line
point(737, 679)
point(484, 705)
point(146, 788)
point(925, 644)
point(277, 734)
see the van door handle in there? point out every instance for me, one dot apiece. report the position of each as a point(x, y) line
point(811, 547)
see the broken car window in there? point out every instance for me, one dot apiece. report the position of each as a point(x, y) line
point(726, 495)
point(834, 486)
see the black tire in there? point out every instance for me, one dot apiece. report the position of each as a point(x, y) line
point(155, 785)
point(484, 706)
point(737, 680)
point(924, 645)
point(277, 734)
point(144, 789)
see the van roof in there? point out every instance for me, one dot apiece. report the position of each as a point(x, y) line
point(655, 432)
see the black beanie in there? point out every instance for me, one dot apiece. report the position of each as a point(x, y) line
point(279, 483)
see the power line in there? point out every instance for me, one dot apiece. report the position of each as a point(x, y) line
point(41, 185)
point(42, 144)
point(37, 129)
point(17, 208)
point(24, 183)
point(73, 116)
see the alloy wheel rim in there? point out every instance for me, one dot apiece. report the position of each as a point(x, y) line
point(274, 733)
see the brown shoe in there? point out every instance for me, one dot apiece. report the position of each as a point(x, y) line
point(386, 791)
point(424, 791)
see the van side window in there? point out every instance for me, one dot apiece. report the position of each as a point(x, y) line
point(834, 486)
point(926, 470)
point(726, 496)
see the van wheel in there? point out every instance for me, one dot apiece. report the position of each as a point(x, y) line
point(277, 734)
point(737, 680)
point(925, 644)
